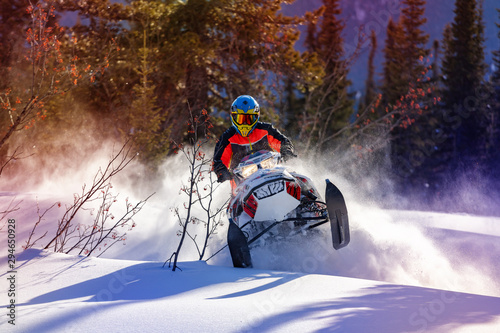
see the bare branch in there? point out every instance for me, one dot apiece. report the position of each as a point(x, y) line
point(199, 167)
point(100, 182)
point(13, 207)
point(30, 244)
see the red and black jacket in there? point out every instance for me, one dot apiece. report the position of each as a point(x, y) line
point(232, 147)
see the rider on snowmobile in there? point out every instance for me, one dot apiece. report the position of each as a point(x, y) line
point(247, 135)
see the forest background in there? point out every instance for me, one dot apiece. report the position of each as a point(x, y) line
point(77, 74)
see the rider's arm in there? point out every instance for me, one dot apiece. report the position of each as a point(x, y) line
point(279, 142)
point(222, 157)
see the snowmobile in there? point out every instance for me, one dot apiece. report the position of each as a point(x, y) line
point(271, 201)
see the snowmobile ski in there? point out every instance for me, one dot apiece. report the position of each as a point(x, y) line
point(238, 246)
point(337, 211)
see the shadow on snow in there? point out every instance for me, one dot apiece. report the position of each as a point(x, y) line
point(387, 308)
point(392, 308)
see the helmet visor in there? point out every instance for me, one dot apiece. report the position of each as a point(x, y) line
point(244, 119)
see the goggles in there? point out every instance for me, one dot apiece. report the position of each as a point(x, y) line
point(244, 119)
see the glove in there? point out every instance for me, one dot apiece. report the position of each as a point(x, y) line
point(223, 175)
point(287, 153)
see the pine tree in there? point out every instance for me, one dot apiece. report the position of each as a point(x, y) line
point(463, 70)
point(415, 49)
point(495, 112)
point(370, 86)
point(221, 49)
point(496, 61)
point(413, 149)
point(12, 23)
point(294, 112)
point(328, 105)
point(145, 118)
point(449, 121)
point(329, 38)
point(311, 40)
point(394, 85)
point(404, 75)
point(435, 63)
point(404, 50)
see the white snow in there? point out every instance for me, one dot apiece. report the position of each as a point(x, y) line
point(404, 271)
point(61, 293)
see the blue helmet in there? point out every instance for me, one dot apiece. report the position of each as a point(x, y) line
point(245, 113)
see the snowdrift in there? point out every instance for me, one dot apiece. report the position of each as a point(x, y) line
point(62, 293)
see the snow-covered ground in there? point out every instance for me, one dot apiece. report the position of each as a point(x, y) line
point(404, 271)
point(60, 293)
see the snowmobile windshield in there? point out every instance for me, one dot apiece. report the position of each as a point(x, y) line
point(260, 160)
point(269, 163)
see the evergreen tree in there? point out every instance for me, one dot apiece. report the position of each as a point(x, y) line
point(200, 54)
point(98, 31)
point(292, 108)
point(415, 49)
point(294, 111)
point(413, 150)
point(449, 121)
point(146, 120)
point(329, 37)
point(404, 50)
point(221, 49)
point(12, 23)
point(197, 54)
point(370, 87)
point(496, 61)
point(311, 42)
point(463, 70)
point(405, 87)
point(494, 112)
point(435, 63)
point(328, 106)
point(394, 85)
